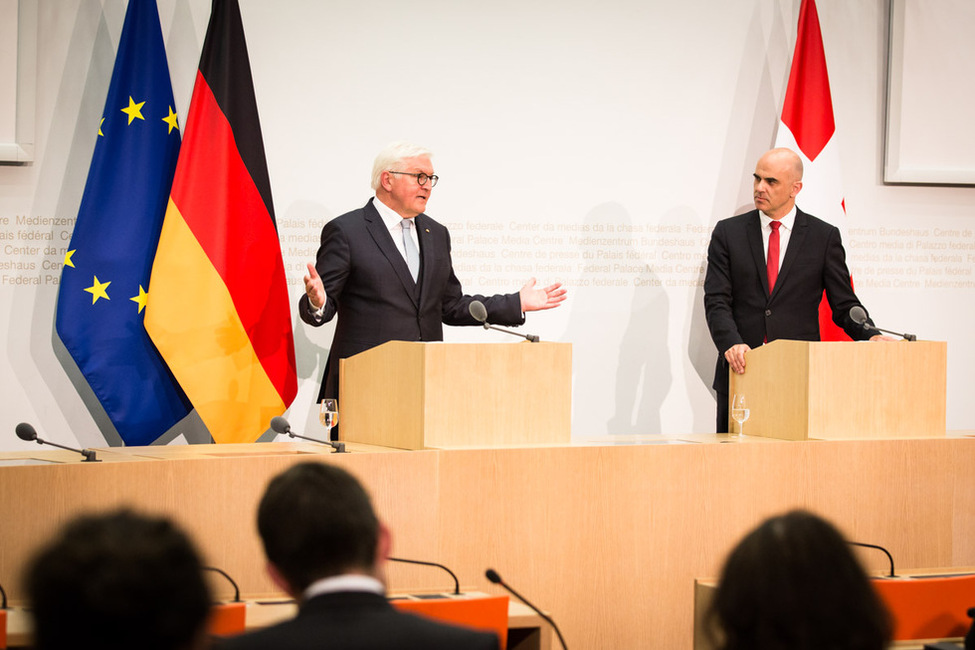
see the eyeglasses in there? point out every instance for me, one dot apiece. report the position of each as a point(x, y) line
point(421, 178)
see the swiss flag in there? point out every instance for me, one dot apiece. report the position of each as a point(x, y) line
point(807, 127)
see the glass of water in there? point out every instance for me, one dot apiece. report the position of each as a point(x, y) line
point(328, 414)
point(739, 412)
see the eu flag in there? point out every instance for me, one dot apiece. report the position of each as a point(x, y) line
point(105, 277)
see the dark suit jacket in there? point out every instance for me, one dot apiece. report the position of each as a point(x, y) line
point(368, 285)
point(359, 621)
point(737, 302)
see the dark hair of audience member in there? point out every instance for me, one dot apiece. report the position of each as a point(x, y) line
point(793, 583)
point(316, 521)
point(119, 580)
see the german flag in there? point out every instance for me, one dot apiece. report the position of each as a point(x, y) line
point(218, 308)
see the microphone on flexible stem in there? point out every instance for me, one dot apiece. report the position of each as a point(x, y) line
point(879, 548)
point(280, 425)
point(456, 582)
point(27, 432)
point(479, 312)
point(229, 579)
point(859, 316)
point(493, 576)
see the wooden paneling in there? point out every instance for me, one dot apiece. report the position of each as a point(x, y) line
point(448, 395)
point(608, 539)
point(798, 390)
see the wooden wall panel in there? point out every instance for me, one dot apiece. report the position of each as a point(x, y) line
point(609, 539)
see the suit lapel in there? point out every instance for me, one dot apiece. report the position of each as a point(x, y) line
point(753, 230)
point(426, 251)
point(800, 227)
point(384, 240)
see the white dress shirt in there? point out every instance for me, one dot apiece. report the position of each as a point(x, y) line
point(785, 232)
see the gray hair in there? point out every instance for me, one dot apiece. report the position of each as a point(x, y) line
point(393, 154)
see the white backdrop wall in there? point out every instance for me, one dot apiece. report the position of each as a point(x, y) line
point(592, 143)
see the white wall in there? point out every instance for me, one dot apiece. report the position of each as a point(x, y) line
point(643, 118)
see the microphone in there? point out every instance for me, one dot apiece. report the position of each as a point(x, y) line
point(227, 576)
point(479, 312)
point(280, 425)
point(493, 576)
point(26, 432)
point(859, 316)
point(879, 548)
point(456, 583)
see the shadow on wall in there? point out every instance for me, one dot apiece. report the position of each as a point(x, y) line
point(63, 170)
point(299, 230)
point(750, 133)
point(628, 400)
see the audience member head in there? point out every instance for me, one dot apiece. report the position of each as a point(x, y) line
point(794, 584)
point(118, 580)
point(317, 521)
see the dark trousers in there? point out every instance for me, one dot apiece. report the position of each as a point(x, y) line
point(721, 423)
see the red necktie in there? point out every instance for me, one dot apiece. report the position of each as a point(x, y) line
point(772, 264)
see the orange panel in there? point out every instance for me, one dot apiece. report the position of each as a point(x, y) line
point(928, 608)
point(227, 619)
point(489, 613)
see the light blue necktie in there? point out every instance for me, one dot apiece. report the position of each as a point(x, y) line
point(412, 254)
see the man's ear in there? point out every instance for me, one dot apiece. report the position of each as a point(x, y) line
point(384, 544)
point(279, 580)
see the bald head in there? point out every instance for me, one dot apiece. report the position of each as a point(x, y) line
point(777, 181)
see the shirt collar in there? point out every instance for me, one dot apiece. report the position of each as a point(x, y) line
point(389, 216)
point(787, 221)
point(347, 582)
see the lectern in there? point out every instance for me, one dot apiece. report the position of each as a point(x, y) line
point(413, 395)
point(797, 390)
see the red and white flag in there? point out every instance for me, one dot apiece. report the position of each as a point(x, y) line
point(807, 127)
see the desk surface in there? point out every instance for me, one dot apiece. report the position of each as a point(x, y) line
point(608, 535)
point(704, 591)
point(263, 613)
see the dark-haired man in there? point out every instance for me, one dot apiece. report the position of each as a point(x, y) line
point(326, 548)
point(118, 581)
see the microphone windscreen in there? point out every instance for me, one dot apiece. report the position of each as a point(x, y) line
point(857, 315)
point(279, 424)
point(493, 576)
point(26, 432)
point(478, 311)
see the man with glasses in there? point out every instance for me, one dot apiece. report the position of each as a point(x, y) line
point(385, 270)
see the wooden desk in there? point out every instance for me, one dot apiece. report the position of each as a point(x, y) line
point(526, 629)
point(607, 537)
point(935, 619)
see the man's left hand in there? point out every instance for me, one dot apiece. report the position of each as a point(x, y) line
point(883, 337)
point(533, 299)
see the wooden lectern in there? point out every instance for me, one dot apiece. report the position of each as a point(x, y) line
point(415, 395)
point(797, 390)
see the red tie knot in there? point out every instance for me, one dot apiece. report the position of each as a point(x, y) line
point(775, 224)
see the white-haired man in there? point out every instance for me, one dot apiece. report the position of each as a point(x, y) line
point(385, 269)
